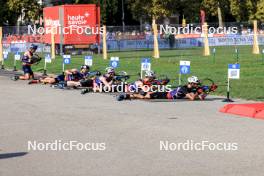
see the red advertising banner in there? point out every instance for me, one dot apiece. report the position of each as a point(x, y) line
point(51, 19)
point(74, 24)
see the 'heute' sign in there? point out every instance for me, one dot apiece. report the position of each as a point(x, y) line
point(79, 24)
point(78, 20)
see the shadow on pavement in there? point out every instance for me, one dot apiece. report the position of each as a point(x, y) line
point(8, 73)
point(12, 155)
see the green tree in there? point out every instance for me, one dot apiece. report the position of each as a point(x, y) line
point(191, 11)
point(31, 9)
point(151, 9)
point(212, 8)
point(244, 10)
point(260, 11)
point(7, 16)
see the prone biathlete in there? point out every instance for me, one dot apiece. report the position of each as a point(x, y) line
point(142, 84)
point(72, 76)
point(103, 82)
point(188, 91)
point(80, 79)
point(141, 87)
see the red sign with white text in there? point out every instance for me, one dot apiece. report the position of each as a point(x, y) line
point(73, 24)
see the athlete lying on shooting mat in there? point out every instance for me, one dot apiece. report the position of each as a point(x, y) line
point(148, 81)
point(103, 82)
point(191, 91)
point(82, 78)
point(72, 75)
point(111, 82)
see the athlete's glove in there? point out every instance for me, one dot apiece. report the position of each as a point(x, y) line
point(213, 87)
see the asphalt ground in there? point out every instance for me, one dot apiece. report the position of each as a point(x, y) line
point(131, 135)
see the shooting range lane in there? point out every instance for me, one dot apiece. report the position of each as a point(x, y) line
point(132, 131)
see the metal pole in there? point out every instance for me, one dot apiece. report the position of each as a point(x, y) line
point(228, 88)
point(262, 56)
point(237, 56)
point(45, 69)
point(123, 16)
point(179, 79)
point(14, 65)
point(214, 50)
point(214, 58)
point(228, 92)
point(63, 68)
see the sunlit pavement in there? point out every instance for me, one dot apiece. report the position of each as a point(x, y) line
point(131, 131)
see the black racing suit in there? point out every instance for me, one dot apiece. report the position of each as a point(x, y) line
point(26, 64)
point(178, 93)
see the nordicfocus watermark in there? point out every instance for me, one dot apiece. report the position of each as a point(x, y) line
point(190, 29)
point(59, 145)
point(78, 27)
point(72, 29)
point(190, 145)
point(74, 24)
point(123, 87)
